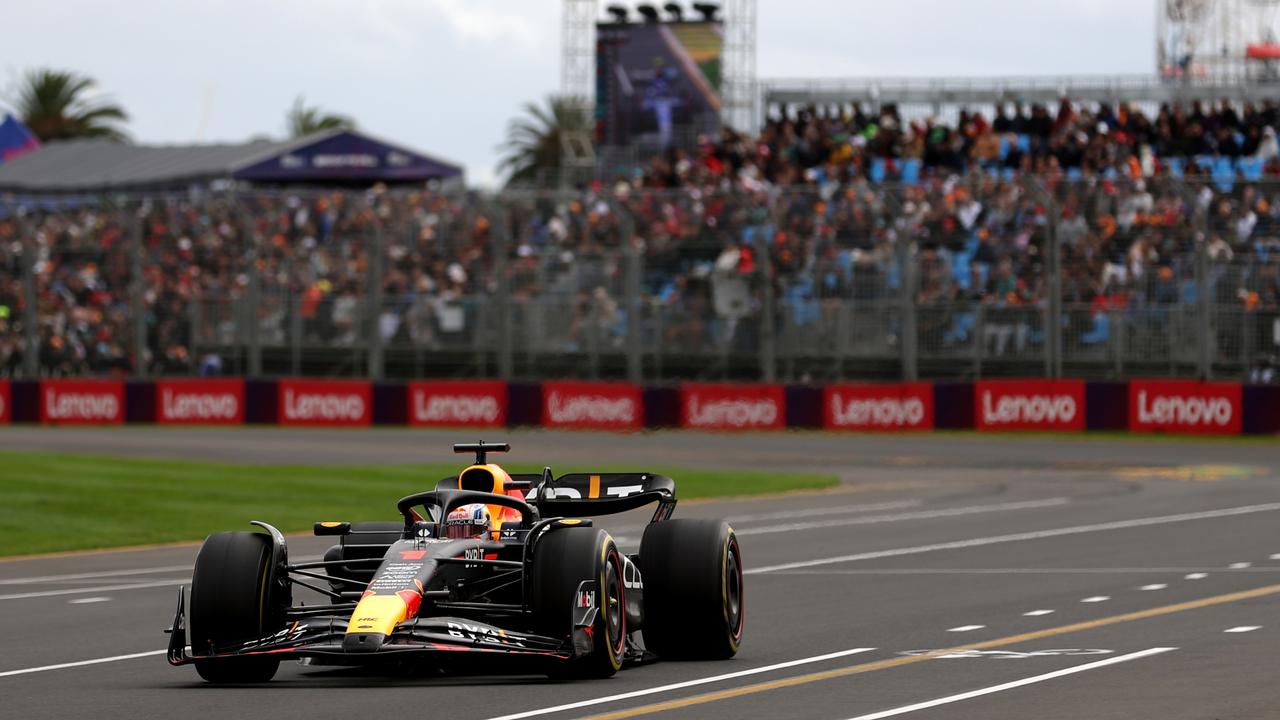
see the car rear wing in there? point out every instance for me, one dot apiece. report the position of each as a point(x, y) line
point(580, 494)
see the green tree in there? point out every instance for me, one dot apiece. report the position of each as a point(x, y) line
point(302, 120)
point(62, 105)
point(535, 141)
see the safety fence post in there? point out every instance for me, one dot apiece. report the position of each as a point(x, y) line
point(137, 290)
point(30, 312)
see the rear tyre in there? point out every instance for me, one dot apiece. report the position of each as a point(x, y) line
point(693, 589)
point(235, 598)
point(563, 559)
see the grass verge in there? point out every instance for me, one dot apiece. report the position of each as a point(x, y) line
point(53, 502)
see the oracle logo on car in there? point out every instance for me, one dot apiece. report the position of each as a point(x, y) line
point(907, 406)
point(602, 406)
point(1029, 404)
point(714, 406)
point(85, 402)
point(200, 402)
point(1185, 406)
point(454, 404)
point(325, 402)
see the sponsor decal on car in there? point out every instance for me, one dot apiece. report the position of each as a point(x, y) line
point(1185, 406)
point(88, 402)
point(899, 406)
point(325, 402)
point(723, 406)
point(1029, 404)
point(200, 402)
point(458, 404)
point(587, 405)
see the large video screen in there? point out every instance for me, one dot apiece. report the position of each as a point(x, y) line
point(657, 83)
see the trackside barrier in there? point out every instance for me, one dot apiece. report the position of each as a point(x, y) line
point(1172, 406)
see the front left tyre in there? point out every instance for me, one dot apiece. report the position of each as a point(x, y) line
point(235, 597)
point(563, 559)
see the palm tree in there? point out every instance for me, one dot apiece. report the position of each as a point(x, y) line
point(535, 142)
point(60, 105)
point(302, 120)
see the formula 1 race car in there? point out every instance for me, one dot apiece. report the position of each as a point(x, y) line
point(488, 566)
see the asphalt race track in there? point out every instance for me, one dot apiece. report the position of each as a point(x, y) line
point(1073, 578)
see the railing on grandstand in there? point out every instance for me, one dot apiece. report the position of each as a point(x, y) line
point(870, 280)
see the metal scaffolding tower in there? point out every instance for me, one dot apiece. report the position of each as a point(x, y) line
point(740, 109)
point(578, 51)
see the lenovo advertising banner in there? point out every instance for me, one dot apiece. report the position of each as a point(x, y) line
point(82, 402)
point(200, 402)
point(592, 406)
point(1029, 404)
point(1185, 406)
point(866, 406)
point(726, 406)
point(6, 402)
point(324, 402)
point(458, 404)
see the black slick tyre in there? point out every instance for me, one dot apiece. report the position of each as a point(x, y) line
point(563, 559)
point(235, 598)
point(693, 589)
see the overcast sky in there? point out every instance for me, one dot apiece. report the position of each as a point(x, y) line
point(445, 76)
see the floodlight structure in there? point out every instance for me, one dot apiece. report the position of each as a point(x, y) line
point(1210, 41)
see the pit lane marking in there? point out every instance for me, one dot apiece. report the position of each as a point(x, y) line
point(1012, 685)
point(682, 685)
point(1022, 537)
point(796, 680)
point(81, 663)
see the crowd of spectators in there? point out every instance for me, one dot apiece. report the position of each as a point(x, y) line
point(801, 210)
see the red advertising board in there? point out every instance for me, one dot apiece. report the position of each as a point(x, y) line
point(1185, 406)
point(866, 406)
point(82, 402)
point(6, 402)
point(727, 406)
point(592, 406)
point(324, 402)
point(477, 403)
point(1029, 404)
point(200, 402)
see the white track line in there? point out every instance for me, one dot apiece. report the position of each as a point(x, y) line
point(1196, 576)
point(91, 575)
point(1011, 685)
point(1096, 599)
point(89, 600)
point(99, 588)
point(1037, 613)
point(680, 685)
point(1007, 571)
point(81, 663)
point(1021, 537)
point(735, 520)
point(1153, 586)
point(966, 628)
point(1243, 629)
point(1239, 566)
point(899, 517)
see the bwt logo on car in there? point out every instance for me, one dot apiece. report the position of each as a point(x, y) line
point(591, 409)
point(1178, 410)
point(455, 408)
point(83, 406)
point(877, 412)
point(324, 406)
point(732, 413)
point(177, 405)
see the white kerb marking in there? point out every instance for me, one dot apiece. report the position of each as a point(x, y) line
point(1153, 586)
point(1096, 599)
point(1011, 685)
point(1243, 629)
point(1037, 613)
point(680, 685)
point(1240, 565)
point(1021, 537)
point(966, 628)
point(81, 663)
point(1196, 576)
point(88, 600)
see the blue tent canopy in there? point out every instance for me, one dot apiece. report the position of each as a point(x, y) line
point(15, 138)
point(347, 155)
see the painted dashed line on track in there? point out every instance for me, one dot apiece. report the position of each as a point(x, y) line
point(1240, 565)
point(1243, 629)
point(966, 628)
point(1153, 586)
point(89, 600)
point(1196, 576)
point(1096, 599)
point(1276, 556)
point(1037, 613)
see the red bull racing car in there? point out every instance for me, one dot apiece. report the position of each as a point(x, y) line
point(488, 566)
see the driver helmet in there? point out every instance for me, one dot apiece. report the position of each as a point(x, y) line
point(467, 522)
